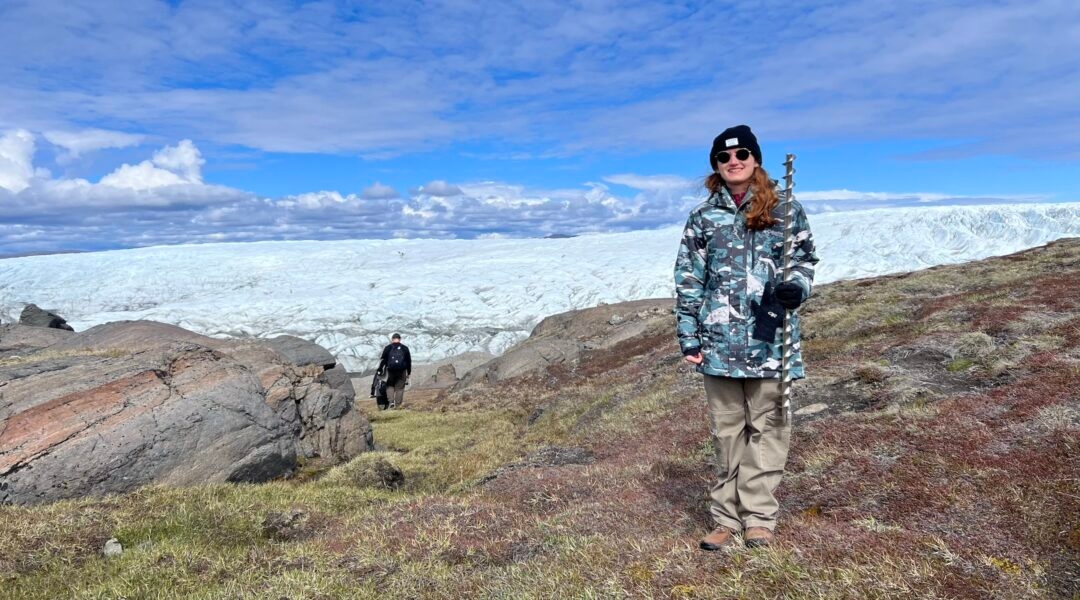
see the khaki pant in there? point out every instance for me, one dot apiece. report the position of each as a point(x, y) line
point(751, 444)
point(395, 391)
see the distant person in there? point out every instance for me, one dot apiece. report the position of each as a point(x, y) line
point(730, 305)
point(396, 365)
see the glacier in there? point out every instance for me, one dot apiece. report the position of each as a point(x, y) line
point(451, 296)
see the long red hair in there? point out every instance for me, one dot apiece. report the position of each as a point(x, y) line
point(763, 202)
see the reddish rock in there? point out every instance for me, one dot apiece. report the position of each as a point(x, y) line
point(133, 403)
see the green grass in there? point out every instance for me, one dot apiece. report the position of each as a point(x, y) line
point(443, 451)
point(211, 541)
point(959, 364)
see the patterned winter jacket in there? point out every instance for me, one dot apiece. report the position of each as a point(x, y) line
point(724, 280)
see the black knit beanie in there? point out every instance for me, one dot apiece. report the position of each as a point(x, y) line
point(738, 136)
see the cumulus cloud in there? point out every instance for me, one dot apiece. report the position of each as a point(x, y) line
point(136, 205)
point(16, 160)
point(164, 200)
point(174, 165)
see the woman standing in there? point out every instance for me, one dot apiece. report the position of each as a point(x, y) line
point(731, 301)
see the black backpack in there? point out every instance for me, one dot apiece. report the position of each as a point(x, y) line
point(378, 391)
point(395, 361)
point(381, 399)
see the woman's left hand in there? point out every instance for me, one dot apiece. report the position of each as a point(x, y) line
point(789, 295)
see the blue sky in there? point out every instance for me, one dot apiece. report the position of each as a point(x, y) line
point(140, 122)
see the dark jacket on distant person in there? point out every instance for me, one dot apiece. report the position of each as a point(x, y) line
point(393, 376)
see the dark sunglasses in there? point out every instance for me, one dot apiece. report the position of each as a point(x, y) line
point(724, 157)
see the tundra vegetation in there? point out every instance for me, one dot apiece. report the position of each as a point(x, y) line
point(944, 466)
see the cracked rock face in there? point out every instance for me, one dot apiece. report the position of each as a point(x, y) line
point(133, 403)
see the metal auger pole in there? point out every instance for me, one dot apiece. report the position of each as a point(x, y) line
point(789, 251)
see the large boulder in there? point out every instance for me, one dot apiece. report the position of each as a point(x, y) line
point(446, 372)
point(34, 316)
point(301, 352)
point(564, 338)
point(132, 403)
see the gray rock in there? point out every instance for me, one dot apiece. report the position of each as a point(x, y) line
point(127, 337)
point(564, 338)
point(113, 548)
point(18, 340)
point(524, 358)
point(338, 379)
point(127, 404)
point(301, 352)
point(445, 376)
point(38, 317)
point(183, 415)
point(812, 409)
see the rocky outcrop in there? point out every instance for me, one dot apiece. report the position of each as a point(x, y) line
point(445, 376)
point(432, 377)
point(301, 352)
point(447, 372)
point(132, 403)
point(34, 316)
point(562, 339)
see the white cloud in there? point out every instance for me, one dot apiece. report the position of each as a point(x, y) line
point(652, 182)
point(77, 143)
point(142, 176)
point(183, 159)
point(440, 189)
point(174, 206)
point(173, 165)
point(164, 200)
point(317, 200)
point(16, 160)
point(504, 195)
point(378, 191)
point(300, 77)
point(166, 192)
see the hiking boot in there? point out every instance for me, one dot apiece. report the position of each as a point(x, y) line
point(720, 538)
point(758, 537)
